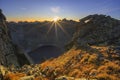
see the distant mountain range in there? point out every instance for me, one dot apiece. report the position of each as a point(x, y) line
point(30, 35)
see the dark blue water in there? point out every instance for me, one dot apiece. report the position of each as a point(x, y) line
point(45, 52)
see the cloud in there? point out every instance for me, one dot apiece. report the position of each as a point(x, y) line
point(55, 9)
point(23, 8)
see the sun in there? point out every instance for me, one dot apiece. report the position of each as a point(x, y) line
point(56, 24)
point(56, 18)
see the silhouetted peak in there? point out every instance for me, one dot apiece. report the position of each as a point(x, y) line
point(97, 30)
point(98, 19)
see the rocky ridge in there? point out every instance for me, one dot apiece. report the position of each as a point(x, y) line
point(97, 30)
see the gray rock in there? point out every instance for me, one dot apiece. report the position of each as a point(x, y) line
point(7, 50)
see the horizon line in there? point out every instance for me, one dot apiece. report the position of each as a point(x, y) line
point(40, 20)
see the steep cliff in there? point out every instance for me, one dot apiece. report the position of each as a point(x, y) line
point(7, 50)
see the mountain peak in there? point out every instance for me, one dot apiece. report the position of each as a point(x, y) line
point(97, 30)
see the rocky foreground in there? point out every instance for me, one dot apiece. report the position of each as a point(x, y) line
point(99, 63)
point(92, 54)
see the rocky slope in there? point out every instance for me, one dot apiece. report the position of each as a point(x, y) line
point(97, 63)
point(9, 53)
point(97, 30)
point(94, 53)
point(7, 50)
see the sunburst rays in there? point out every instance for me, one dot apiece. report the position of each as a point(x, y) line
point(56, 25)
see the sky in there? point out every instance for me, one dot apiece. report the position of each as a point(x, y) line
point(40, 10)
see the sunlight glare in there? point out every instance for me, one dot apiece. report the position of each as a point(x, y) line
point(56, 24)
point(56, 18)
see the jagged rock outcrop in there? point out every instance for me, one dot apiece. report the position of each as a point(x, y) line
point(7, 50)
point(97, 30)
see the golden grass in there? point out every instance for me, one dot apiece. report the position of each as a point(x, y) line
point(13, 76)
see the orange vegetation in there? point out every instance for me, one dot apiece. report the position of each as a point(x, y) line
point(13, 76)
